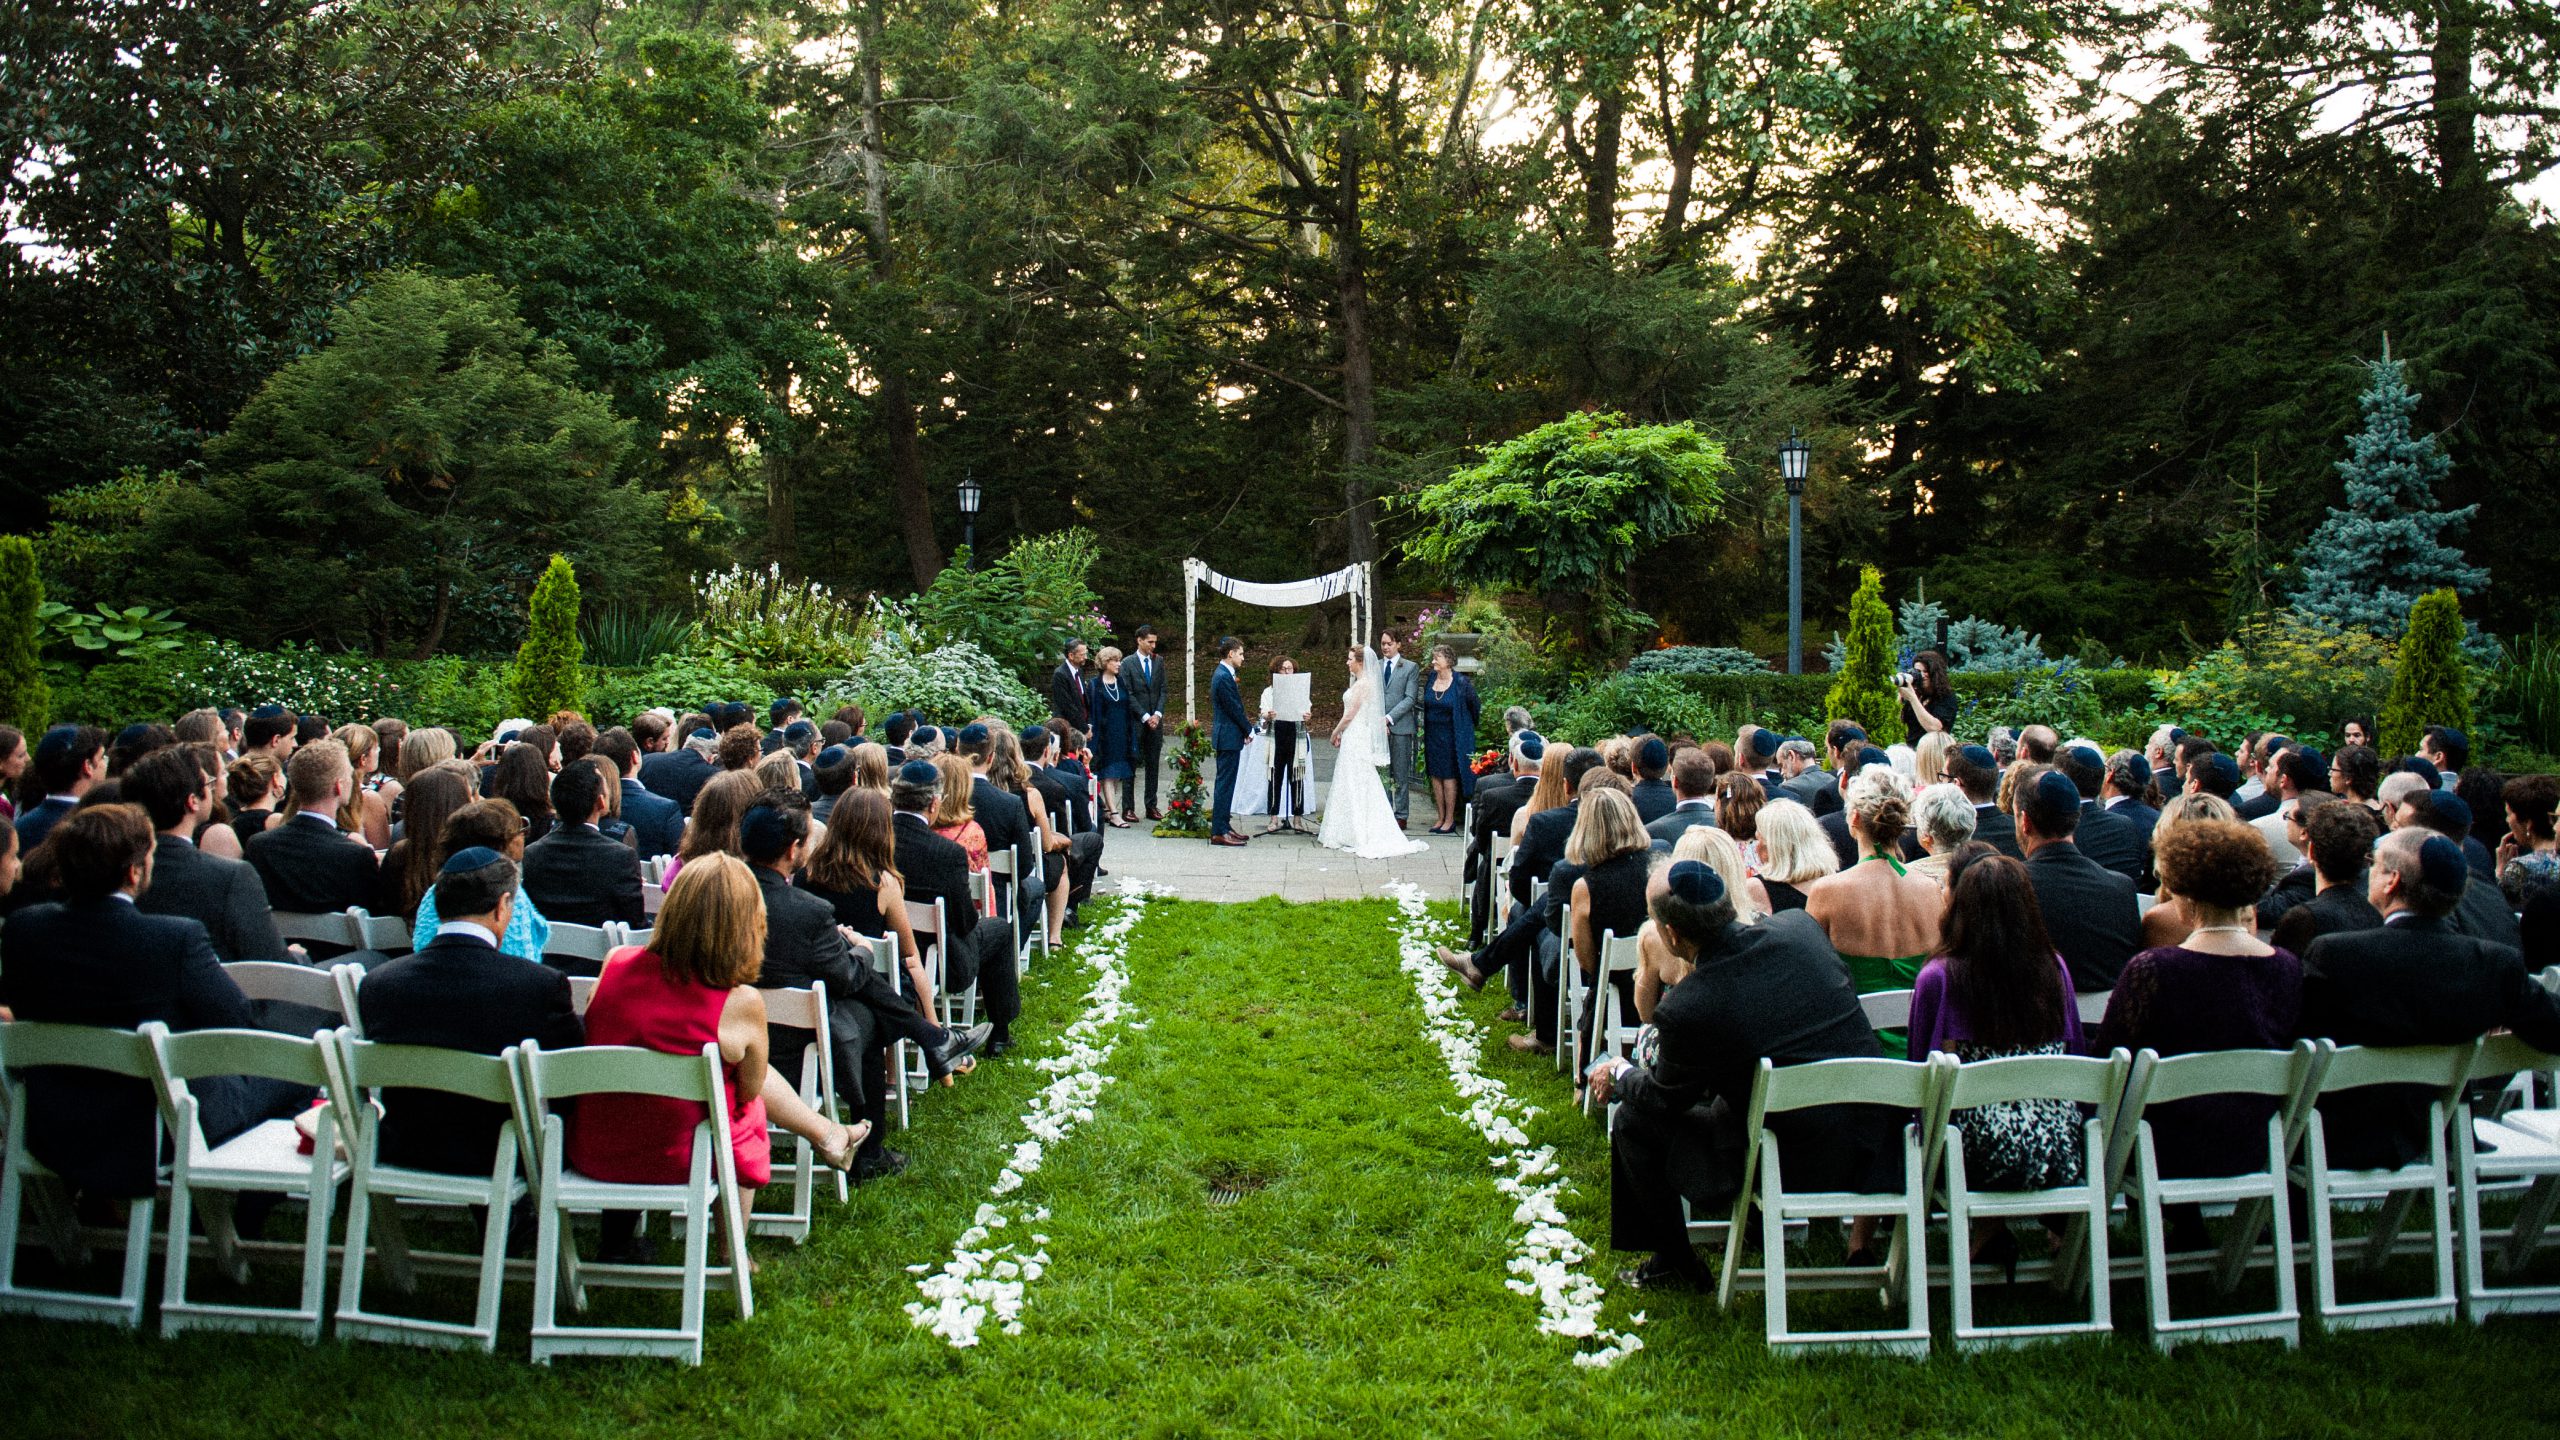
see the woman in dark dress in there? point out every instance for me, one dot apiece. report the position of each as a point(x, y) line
point(1449, 714)
point(1115, 735)
point(2222, 988)
point(1928, 698)
point(255, 784)
point(1615, 855)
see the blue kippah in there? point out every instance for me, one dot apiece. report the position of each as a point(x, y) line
point(1533, 746)
point(1851, 732)
point(2424, 768)
point(832, 755)
point(1653, 754)
point(2053, 788)
point(919, 772)
point(2138, 768)
point(1764, 743)
point(2441, 865)
point(973, 733)
point(470, 857)
point(269, 711)
point(763, 830)
point(2092, 752)
point(2450, 808)
point(57, 741)
point(1980, 756)
point(1870, 755)
point(1696, 882)
point(701, 732)
point(798, 730)
point(2226, 771)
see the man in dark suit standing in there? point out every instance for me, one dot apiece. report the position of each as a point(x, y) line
point(1144, 675)
point(1693, 783)
point(2103, 836)
point(1653, 794)
point(979, 949)
point(1974, 770)
point(1498, 799)
point(657, 823)
point(2414, 980)
point(462, 993)
point(1775, 990)
point(2088, 909)
point(225, 896)
point(1229, 724)
point(1066, 688)
point(574, 874)
point(309, 865)
point(93, 958)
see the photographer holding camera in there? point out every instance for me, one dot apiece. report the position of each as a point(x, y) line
point(1928, 699)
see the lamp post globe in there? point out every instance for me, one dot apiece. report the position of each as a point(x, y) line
point(1795, 459)
point(972, 495)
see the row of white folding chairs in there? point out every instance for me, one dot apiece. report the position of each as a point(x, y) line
point(2467, 1154)
point(354, 927)
point(592, 942)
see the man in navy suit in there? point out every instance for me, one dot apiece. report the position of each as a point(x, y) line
point(68, 760)
point(1228, 727)
point(657, 823)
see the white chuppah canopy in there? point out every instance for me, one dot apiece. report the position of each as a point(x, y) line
point(1351, 580)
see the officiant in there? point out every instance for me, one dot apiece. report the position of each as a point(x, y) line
point(1284, 715)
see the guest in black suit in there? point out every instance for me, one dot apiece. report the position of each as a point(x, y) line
point(2122, 793)
point(2105, 837)
point(656, 822)
point(1066, 689)
point(2340, 838)
point(2412, 981)
point(1835, 826)
point(1774, 990)
point(1070, 855)
point(1693, 783)
point(2484, 912)
point(1653, 794)
point(69, 759)
point(462, 993)
point(1000, 812)
point(308, 864)
point(2088, 909)
point(574, 874)
point(1756, 752)
point(225, 896)
point(1975, 769)
point(680, 774)
point(2262, 761)
point(94, 958)
point(980, 949)
point(1498, 802)
point(1145, 676)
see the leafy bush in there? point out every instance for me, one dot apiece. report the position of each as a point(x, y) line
point(118, 694)
point(944, 683)
point(2526, 685)
point(2429, 686)
point(25, 699)
point(679, 682)
point(2053, 696)
point(300, 678)
point(547, 675)
point(133, 632)
point(1022, 609)
point(1509, 655)
point(1864, 693)
point(2289, 672)
point(629, 637)
point(755, 617)
point(1624, 701)
point(468, 697)
point(1697, 660)
point(1970, 644)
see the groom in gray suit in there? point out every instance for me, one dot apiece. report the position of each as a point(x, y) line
point(1401, 686)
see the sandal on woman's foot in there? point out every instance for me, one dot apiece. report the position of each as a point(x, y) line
point(1532, 1043)
point(841, 1158)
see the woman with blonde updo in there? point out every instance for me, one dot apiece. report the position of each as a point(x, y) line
point(1881, 918)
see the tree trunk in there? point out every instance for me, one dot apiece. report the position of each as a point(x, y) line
point(781, 514)
point(1600, 181)
point(2456, 139)
point(1359, 377)
point(436, 623)
point(906, 460)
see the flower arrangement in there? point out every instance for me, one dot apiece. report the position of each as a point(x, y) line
point(1490, 761)
point(1186, 815)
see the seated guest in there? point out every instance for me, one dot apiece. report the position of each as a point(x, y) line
point(411, 867)
point(1944, 816)
point(680, 773)
point(1794, 853)
point(135, 741)
point(2088, 910)
point(68, 761)
point(1548, 791)
point(1654, 797)
point(1928, 759)
point(2260, 796)
point(1977, 772)
point(1693, 783)
point(1542, 839)
point(367, 811)
point(1775, 991)
point(213, 833)
point(522, 778)
point(2298, 884)
point(977, 949)
point(1498, 799)
point(2355, 773)
point(1739, 799)
point(94, 958)
point(224, 896)
point(2221, 989)
point(2529, 853)
point(834, 772)
point(2339, 839)
point(1880, 917)
point(695, 985)
point(2169, 921)
point(13, 764)
point(1069, 858)
point(1756, 753)
point(2413, 980)
point(2127, 791)
point(955, 817)
point(270, 730)
point(1998, 989)
point(254, 787)
point(575, 874)
point(996, 803)
point(2104, 836)
point(657, 823)
point(1845, 845)
point(310, 865)
point(1613, 855)
point(894, 733)
point(716, 812)
point(1808, 784)
point(2215, 774)
point(2483, 912)
point(459, 991)
point(488, 825)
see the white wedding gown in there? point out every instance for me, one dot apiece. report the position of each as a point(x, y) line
point(1357, 816)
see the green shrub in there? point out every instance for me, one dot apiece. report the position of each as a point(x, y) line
point(632, 636)
point(548, 677)
point(2430, 686)
point(755, 617)
point(2289, 673)
point(25, 699)
point(1625, 701)
point(1023, 608)
point(468, 697)
point(1697, 660)
point(119, 693)
point(340, 688)
point(2060, 698)
point(681, 683)
point(2526, 685)
point(1863, 694)
point(947, 683)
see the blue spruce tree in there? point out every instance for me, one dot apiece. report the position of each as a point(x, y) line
point(2370, 561)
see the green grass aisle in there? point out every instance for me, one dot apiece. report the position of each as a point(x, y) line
point(1276, 1223)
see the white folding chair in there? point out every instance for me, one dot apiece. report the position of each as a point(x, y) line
point(806, 1010)
point(619, 935)
point(2289, 1078)
point(906, 1063)
point(2093, 1005)
point(1004, 872)
point(377, 1188)
point(328, 927)
point(586, 943)
point(25, 1045)
point(2075, 1079)
point(2440, 1068)
point(2144, 905)
point(653, 896)
point(1900, 1084)
point(265, 1158)
point(582, 991)
point(560, 1189)
point(957, 1010)
point(1615, 1023)
point(1887, 1009)
point(320, 987)
point(2498, 1152)
point(387, 933)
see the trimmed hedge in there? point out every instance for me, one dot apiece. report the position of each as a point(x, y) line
point(1784, 697)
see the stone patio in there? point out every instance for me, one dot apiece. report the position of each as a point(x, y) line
point(1293, 867)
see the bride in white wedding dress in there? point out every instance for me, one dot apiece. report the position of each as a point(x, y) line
point(1357, 816)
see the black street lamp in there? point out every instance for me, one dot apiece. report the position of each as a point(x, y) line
point(1794, 458)
point(972, 494)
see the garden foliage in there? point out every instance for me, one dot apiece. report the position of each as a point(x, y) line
point(547, 670)
point(25, 699)
point(2288, 673)
point(1863, 692)
point(2372, 559)
point(2430, 685)
point(1024, 607)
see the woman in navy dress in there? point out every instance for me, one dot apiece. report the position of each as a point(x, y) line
point(1449, 713)
point(1115, 735)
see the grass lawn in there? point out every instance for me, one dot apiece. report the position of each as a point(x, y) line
point(1356, 1288)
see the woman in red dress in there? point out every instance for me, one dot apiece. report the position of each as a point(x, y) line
point(695, 985)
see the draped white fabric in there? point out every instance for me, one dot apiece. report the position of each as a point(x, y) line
point(1351, 580)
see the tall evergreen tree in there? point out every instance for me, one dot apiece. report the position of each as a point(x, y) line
point(2429, 685)
point(1864, 692)
point(25, 700)
point(2370, 561)
point(547, 675)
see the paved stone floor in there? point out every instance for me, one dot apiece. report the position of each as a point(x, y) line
point(1293, 867)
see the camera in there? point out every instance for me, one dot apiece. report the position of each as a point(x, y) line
point(1901, 679)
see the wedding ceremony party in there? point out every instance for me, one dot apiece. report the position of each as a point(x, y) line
point(1077, 720)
